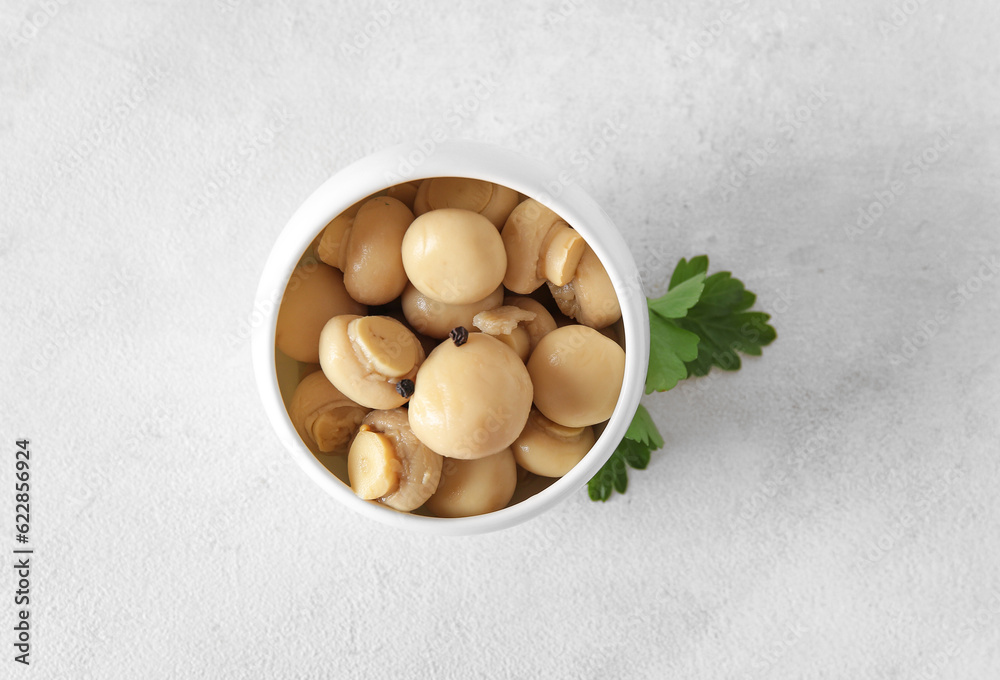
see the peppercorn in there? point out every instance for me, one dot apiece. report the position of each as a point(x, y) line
point(405, 388)
point(459, 335)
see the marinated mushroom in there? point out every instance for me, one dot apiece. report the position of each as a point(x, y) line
point(474, 487)
point(405, 192)
point(590, 297)
point(388, 464)
point(540, 247)
point(577, 375)
point(366, 248)
point(315, 293)
point(366, 357)
point(520, 323)
point(493, 201)
point(454, 256)
point(323, 417)
point(435, 319)
point(472, 398)
point(549, 449)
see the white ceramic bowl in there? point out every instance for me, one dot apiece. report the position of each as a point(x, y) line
point(453, 159)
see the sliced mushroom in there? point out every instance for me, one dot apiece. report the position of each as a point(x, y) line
point(436, 319)
point(520, 324)
point(474, 487)
point(366, 357)
point(315, 293)
point(577, 375)
point(389, 464)
point(540, 247)
point(454, 256)
point(590, 297)
point(471, 400)
point(549, 449)
point(493, 201)
point(323, 417)
point(366, 248)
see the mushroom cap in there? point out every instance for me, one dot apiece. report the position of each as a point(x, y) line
point(493, 201)
point(420, 204)
point(372, 261)
point(435, 319)
point(417, 466)
point(472, 400)
point(455, 256)
point(590, 297)
point(366, 356)
point(315, 293)
point(327, 244)
point(577, 375)
point(474, 487)
point(549, 449)
point(323, 417)
point(540, 246)
point(405, 192)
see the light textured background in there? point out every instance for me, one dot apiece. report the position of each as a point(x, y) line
point(830, 511)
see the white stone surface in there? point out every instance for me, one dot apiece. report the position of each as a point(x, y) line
point(830, 511)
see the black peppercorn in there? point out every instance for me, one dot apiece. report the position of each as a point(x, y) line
point(459, 335)
point(405, 388)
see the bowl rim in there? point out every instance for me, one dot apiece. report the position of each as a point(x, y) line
point(454, 158)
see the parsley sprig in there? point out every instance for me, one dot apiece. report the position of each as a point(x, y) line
point(702, 321)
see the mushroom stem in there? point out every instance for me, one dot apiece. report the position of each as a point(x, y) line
point(562, 250)
point(331, 430)
point(372, 465)
point(385, 344)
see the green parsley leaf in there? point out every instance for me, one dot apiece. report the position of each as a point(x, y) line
point(702, 321)
point(724, 327)
point(671, 346)
point(633, 451)
point(613, 475)
point(669, 350)
point(643, 429)
point(685, 269)
point(680, 298)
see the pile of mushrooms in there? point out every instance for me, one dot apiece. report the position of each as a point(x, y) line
point(467, 338)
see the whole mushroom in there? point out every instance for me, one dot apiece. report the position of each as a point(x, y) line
point(471, 398)
point(315, 293)
point(454, 256)
point(493, 201)
point(540, 247)
point(436, 319)
point(366, 248)
point(590, 297)
point(389, 464)
point(549, 449)
point(577, 375)
point(520, 323)
point(371, 359)
point(322, 416)
point(474, 487)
